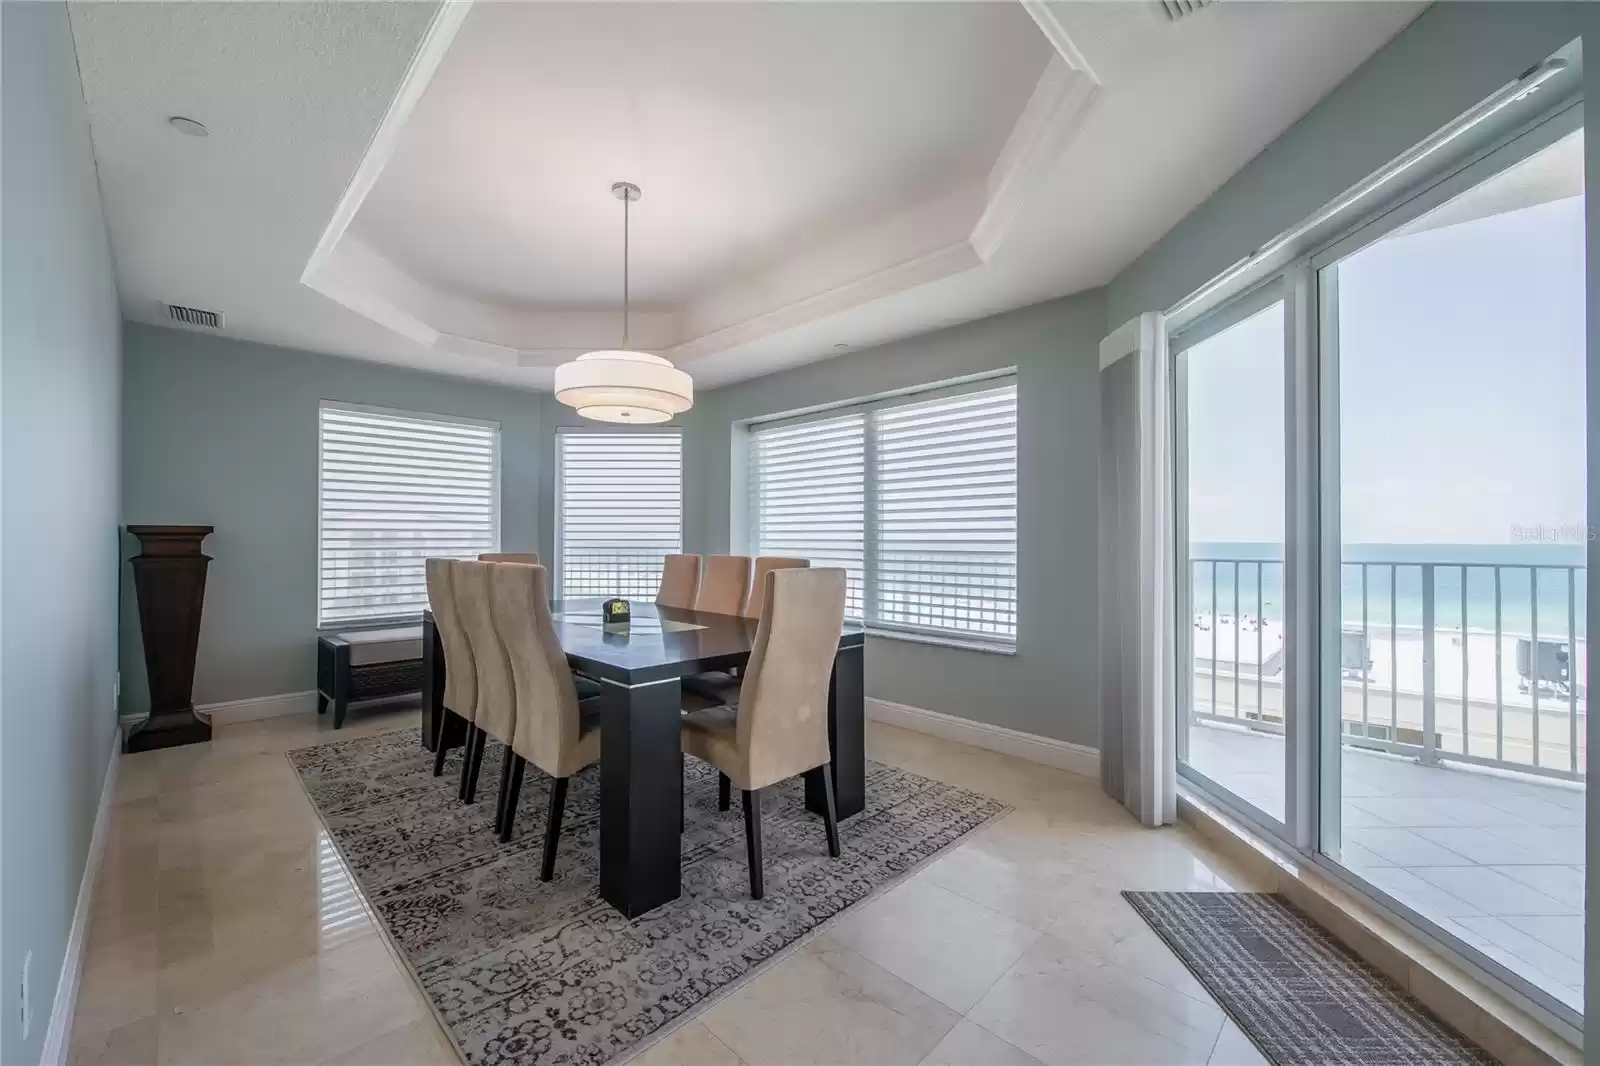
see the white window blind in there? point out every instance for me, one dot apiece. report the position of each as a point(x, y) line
point(946, 492)
point(394, 489)
point(807, 497)
point(620, 511)
point(916, 498)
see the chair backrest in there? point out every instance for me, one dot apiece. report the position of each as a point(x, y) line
point(782, 727)
point(724, 584)
point(460, 675)
point(525, 558)
point(548, 728)
point(766, 564)
point(497, 704)
point(680, 579)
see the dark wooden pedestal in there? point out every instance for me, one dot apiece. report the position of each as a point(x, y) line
point(169, 576)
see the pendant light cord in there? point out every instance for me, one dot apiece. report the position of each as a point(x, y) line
point(627, 202)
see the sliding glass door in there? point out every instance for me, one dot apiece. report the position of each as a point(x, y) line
point(1230, 405)
point(1380, 471)
point(1452, 347)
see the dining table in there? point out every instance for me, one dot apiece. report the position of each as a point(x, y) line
point(640, 667)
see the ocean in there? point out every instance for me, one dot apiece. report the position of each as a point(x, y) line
point(1549, 561)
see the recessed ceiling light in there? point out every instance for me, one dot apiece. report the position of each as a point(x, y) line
point(189, 126)
point(841, 346)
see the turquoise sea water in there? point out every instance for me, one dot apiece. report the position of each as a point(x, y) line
point(1519, 562)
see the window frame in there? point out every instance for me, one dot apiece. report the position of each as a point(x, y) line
point(558, 561)
point(495, 505)
point(747, 523)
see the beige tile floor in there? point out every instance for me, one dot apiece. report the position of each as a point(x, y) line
point(225, 931)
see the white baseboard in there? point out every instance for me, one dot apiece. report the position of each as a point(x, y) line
point(284, 703)
point(1061, 754)
point(65, 1002)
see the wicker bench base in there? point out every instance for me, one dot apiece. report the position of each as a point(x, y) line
point(341, 682)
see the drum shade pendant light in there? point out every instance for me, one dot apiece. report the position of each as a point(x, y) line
point(622, 385)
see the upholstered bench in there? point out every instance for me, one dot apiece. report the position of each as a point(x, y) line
point(367, 664)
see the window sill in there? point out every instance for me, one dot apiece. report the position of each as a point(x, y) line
point(940, 641)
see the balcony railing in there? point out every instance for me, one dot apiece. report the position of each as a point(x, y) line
point(1477, 663)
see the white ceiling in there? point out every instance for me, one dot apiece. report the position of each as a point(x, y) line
point(814, 174)
point(751, 128)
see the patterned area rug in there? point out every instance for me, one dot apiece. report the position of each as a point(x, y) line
point(1297, 993)
point(526, 972)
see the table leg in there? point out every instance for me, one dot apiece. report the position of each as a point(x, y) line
point(847, 738)
point(641, 795)
point(433, 716)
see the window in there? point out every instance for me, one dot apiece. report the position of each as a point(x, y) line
point(392, 490)
point(806, 495)
point(917, 499)
point(620, 511)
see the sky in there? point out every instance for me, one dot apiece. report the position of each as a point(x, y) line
point(1461, 392)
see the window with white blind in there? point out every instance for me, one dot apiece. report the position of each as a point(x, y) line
point(619, 511)
point(393, 489)
point(807, 497)
point(915, 496)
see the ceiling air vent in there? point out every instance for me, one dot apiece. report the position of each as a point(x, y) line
point(194, 316)
point(1173, 10)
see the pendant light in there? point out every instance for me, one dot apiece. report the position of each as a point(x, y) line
point(621, 385)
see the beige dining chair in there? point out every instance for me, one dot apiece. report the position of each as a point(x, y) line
point(554, 731)
point(525, 558)
point(764, 565)
point(680, 580)
point(780, 726)
point(723, 685)
point(460, 676)
point(496, 710)
point(724, 584)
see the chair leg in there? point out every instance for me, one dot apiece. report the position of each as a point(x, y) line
point(440, 748)
point(830, 817)
point(322, 703)
point(505, 791)
point(474, 763)
point(513, 792)
point(552, 827)
point(340, 706)
point(468, 740)
point(752, 840)
point(724, 792)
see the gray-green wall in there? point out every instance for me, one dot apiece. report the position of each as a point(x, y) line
point(223, 432)
point(60, 360)
point(1050, 685)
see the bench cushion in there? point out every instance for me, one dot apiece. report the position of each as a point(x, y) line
point(371, 646)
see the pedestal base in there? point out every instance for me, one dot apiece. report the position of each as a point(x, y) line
point(170, 730)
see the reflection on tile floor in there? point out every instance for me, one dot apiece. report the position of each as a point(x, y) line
point(1495, 859)
point(225, 930)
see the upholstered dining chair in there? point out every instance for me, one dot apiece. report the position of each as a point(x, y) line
point(680, 580)
point(496, 713)
point(554, 731)
point(460, 676)
point(780, 726)
point(525, 558)
point(724, 584)
point(723, 685)
point(764, 565)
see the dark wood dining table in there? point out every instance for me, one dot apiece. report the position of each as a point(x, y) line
point(640, 669)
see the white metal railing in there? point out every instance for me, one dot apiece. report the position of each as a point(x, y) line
point(1500, 681)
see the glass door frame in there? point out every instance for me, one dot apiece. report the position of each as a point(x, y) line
point(1312, 545)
